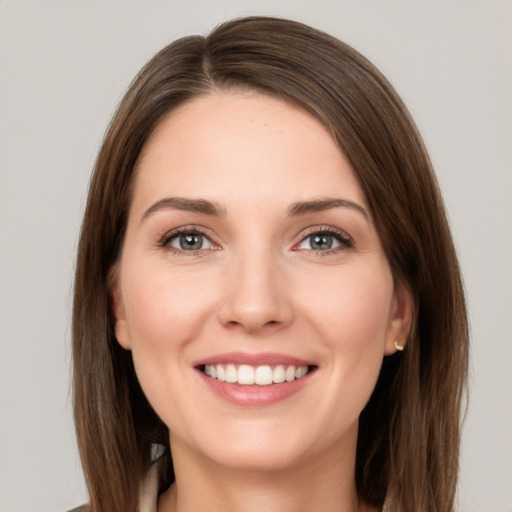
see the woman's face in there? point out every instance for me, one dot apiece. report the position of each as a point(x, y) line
point(252, 289)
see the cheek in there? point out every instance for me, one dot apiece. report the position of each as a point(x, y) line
point(353, 308)
point(351, 318)
point(163, 308)
point(165, 313)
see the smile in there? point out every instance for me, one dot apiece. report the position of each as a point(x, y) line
point(246, 375)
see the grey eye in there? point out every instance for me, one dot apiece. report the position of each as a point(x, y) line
point(319, 242)
point(190, 242)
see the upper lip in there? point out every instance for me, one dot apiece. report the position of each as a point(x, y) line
point(260, 359)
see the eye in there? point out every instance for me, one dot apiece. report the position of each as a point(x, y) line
point(319, 242)
point(190, 242)
point(324, 240)
point(187, 241)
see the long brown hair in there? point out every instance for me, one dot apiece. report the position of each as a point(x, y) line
point(408, 444)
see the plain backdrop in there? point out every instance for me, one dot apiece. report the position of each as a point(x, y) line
point(64, 65)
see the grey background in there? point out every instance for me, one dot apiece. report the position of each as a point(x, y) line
point(64, 66)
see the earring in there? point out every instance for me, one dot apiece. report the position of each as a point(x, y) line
point(398, 347)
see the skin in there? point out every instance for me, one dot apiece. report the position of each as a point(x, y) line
point(257, 285)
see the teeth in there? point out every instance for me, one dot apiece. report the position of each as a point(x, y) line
point(263, 376)
point(247, 375)
point(279, 374)
point(231, 373)
point(301, 372)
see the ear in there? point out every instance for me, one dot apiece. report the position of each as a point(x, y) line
point(400, 319)
point(121, 325)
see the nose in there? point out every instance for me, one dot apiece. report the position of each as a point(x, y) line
point(256, 297)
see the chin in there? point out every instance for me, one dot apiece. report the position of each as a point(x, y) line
point(255, 457)
point(270, 445)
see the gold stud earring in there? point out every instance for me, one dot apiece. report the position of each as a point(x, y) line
point(398, 347)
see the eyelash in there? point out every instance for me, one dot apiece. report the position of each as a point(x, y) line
point(340, 236)
point(345, 241)
point(165, 240)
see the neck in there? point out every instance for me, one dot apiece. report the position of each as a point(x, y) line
point(325, 482)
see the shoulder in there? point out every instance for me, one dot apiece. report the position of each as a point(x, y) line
point(82, 508)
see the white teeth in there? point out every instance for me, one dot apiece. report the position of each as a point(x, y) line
point(263, 376)
point(231, 373)
point(279, 374)
point(290, 373)
point(301, 371)
point(247, 375)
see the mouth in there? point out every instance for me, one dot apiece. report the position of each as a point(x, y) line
point(256, 380)
point(261, 375)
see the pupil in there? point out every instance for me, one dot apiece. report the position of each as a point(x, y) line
point(321, 242)
point(191, 242)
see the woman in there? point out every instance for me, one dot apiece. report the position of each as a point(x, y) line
point(268, 309)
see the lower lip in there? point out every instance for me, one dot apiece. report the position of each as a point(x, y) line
point(256, 396)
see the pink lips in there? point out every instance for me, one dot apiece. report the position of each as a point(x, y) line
point(253, 395)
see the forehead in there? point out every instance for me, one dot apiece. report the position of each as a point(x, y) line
point(227, 144)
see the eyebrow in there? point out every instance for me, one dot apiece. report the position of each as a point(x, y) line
point(320, 205)
point(206, 207)
point(202, 206)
